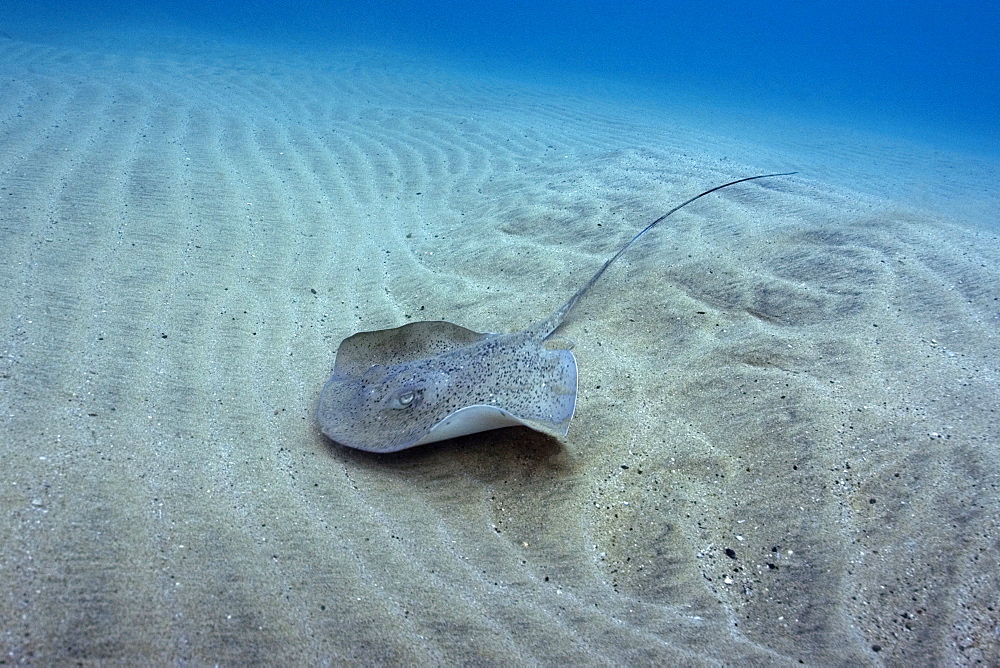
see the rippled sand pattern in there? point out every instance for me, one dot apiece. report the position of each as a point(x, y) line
point(786, 444)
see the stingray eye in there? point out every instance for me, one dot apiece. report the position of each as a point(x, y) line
point(407, 398)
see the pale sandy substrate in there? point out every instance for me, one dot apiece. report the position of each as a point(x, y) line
point(786, 443)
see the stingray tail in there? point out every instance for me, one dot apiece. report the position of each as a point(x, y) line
point(547, 327)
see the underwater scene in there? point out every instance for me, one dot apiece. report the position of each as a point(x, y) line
point(550, 333)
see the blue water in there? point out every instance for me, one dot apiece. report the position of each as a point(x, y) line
point(923, 70)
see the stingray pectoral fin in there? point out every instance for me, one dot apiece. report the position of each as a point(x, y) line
point(399, 345)
point(474, 419)
point(471, 420)
point(557, 403)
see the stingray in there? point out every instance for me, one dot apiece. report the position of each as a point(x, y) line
point(393, 389)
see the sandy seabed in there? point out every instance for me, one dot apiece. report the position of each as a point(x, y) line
point(786, 446)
